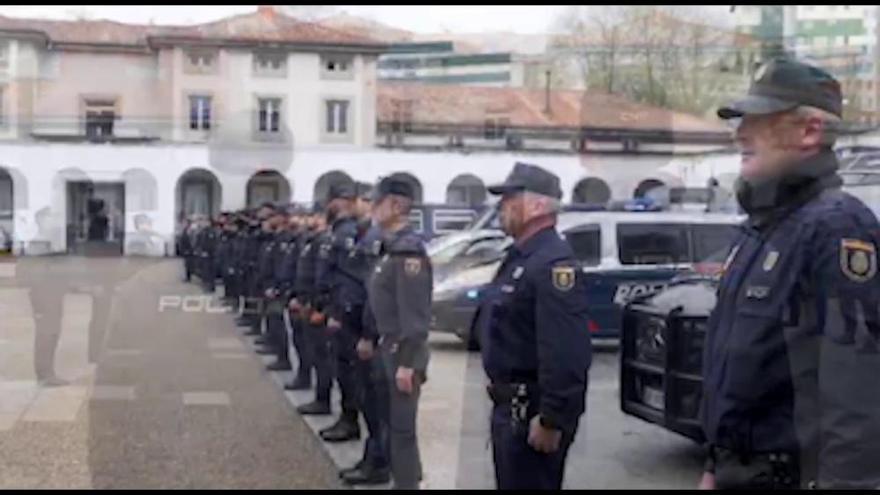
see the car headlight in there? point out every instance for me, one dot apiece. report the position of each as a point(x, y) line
point(472, 277)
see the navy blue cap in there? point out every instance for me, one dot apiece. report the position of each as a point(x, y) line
point(341, 190)
point(364, 190)
point(783, 84)
point(392, 185)
point(532, 178)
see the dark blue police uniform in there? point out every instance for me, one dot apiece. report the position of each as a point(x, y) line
point(791, 357)
point(373, 399)
point(535, 346)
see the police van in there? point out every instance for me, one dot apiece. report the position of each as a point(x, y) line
point(623, 254)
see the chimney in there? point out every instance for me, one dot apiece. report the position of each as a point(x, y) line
point(547, 108)
point(266, 11)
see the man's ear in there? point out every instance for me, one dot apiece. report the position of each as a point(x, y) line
point(813, 132)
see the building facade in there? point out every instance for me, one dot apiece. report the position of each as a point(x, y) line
point(136, 127)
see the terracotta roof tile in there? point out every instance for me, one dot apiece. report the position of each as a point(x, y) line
point(265, 25)
point(471, 105)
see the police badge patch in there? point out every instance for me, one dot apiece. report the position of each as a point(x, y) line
point(349, 243)
point(563, 278)
point(858, 259)
point(412, 266)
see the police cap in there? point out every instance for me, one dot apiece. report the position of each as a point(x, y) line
point(393, 185)
point(364, 190)
point(341, 190)
point(532, 178)
point(784, 84)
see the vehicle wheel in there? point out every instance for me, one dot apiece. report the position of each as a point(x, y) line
point(473, 341)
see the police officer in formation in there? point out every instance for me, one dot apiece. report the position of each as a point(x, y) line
point(374, 465)
point(535, 345)
point(791, 357)
point(342, 291)
point(272, 269)
point(357, 282)
point(399, 295)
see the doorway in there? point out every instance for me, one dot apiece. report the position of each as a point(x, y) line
point(95, 218)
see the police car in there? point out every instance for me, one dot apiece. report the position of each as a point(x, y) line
point(661, 351)
point(623, 254)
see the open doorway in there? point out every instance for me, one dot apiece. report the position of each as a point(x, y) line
point(95, 218)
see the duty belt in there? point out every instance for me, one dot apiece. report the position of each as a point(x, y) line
point(504, 393)
point(389, 341)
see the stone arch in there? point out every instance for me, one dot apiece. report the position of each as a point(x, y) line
point(591, 190)
point(197, 192)
point(646, 186)
point(324, 182)
point(466, 190)
point(141, 190)
point(267, 185)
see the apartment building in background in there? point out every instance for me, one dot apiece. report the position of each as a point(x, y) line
point(839, 38)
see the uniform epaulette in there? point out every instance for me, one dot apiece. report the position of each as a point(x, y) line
point(409, 243)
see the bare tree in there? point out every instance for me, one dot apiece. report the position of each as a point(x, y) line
point(670, 56)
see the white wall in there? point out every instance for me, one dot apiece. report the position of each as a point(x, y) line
point(46, 167)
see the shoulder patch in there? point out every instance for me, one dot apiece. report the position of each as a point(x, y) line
point(412, 266)
point(858, 259)
point(563, 278)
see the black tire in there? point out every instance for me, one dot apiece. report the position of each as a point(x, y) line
point(473, 341)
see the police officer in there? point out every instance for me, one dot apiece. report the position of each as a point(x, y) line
point(264, 280)
point(289, 291)
point(186, 248)
point(374, 466)
point(204, 247)
point(254, 251)
point(280, 270)
point(399, 293)
point(309, 304)
point(535, 346)
point(227, 263)
point(344, 302)
point(790, 359)
point(237, 268)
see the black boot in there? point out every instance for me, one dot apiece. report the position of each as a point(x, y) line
point(346, 429)
point(280, 365)
point(317, 408)
point(265, 351)
point(368, 475)
point(261, 341)
point(356, 467)
point(299, 383)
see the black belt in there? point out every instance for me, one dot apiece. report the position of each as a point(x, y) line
point(503, 393)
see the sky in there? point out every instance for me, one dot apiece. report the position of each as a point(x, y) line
point(418, 18)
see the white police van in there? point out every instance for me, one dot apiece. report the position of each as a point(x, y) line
point(623, 254)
